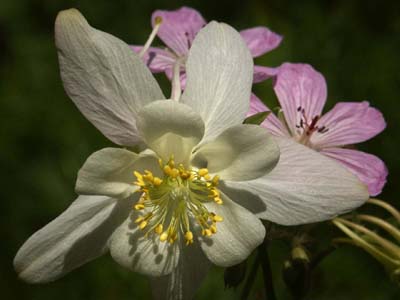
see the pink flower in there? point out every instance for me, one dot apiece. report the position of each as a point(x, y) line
point(302, 93)
point(178, 29)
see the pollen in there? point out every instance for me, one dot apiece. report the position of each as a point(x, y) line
point(172, 206)
point(157, 20)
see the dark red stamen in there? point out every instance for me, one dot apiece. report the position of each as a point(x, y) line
point(310, 127)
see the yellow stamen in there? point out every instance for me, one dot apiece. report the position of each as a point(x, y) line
point(207, 232)
point(139, 206)
point(157, 181)
point(167, 170)
point(163, 236)
point(215, 180)
point(217, 218)
point(138, 175)
point(202, 172)
point(175, 198)
point(189, 237)
point(174, 173)
point(218, 200)
point(159, 229)
point(143, 224)
point(149, 176)
point(139, 219)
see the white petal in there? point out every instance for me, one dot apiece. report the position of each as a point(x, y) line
point(304, 187)
point(242, 152)
point(146, 255)
point(77, 236)
point(219, 77)
point(110, 172)
point(237, 235)
point(186, 278)
point(170, 128)
point(107, 81)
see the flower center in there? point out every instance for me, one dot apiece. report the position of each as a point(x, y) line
point(171, 203)
point(306, 127)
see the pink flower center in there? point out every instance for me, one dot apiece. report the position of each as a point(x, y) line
point(307, 127)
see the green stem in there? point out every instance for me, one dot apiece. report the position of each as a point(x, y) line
point(267, 272)
point(250, 279)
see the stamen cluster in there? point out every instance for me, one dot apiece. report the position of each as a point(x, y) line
point(308, 126)
point(170, 204)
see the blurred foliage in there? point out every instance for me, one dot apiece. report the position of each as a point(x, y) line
point(44, 139)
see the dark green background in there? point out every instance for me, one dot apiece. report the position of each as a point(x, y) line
point(44, 138)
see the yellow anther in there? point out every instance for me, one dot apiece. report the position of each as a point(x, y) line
point(149, 176)
point(139, 219)
point(172, 238)
point(189, 237)
point(140, 182)
point(217, 218)
point(215, 193)
point(202, 172)
point(143, 224)
point(213, 228)
point(171, 163)
point(163, 236)
point(139, 206)
point(138, 175)
point(157, 181)
point(160, 163)
point(159, 229)
point(215, 180)
point(174, 173)
point(185, 175)
point(206, 232)
point(207, 177)
point(167, 169)
point(218, 200)
point(157, 20)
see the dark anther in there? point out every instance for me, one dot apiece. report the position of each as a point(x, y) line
point(152, 56)
point(323, 129)
point(301, 123)
point(188, 39)
point(314, 122)
point(299, 108)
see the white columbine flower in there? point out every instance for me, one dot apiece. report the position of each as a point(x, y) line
point(165, 212)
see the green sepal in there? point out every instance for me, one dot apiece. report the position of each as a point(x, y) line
point(257, 118)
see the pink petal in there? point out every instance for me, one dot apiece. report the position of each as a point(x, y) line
point(368, 168)
point(179, 27)
point(158, 60)
point(260, 40)
point(263, 73)
point(299, 85)
point(272, 123)
point(349, 123)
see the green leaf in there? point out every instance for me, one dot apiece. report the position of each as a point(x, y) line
point(257, 118)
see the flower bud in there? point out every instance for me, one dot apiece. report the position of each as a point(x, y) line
point(296, 272)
